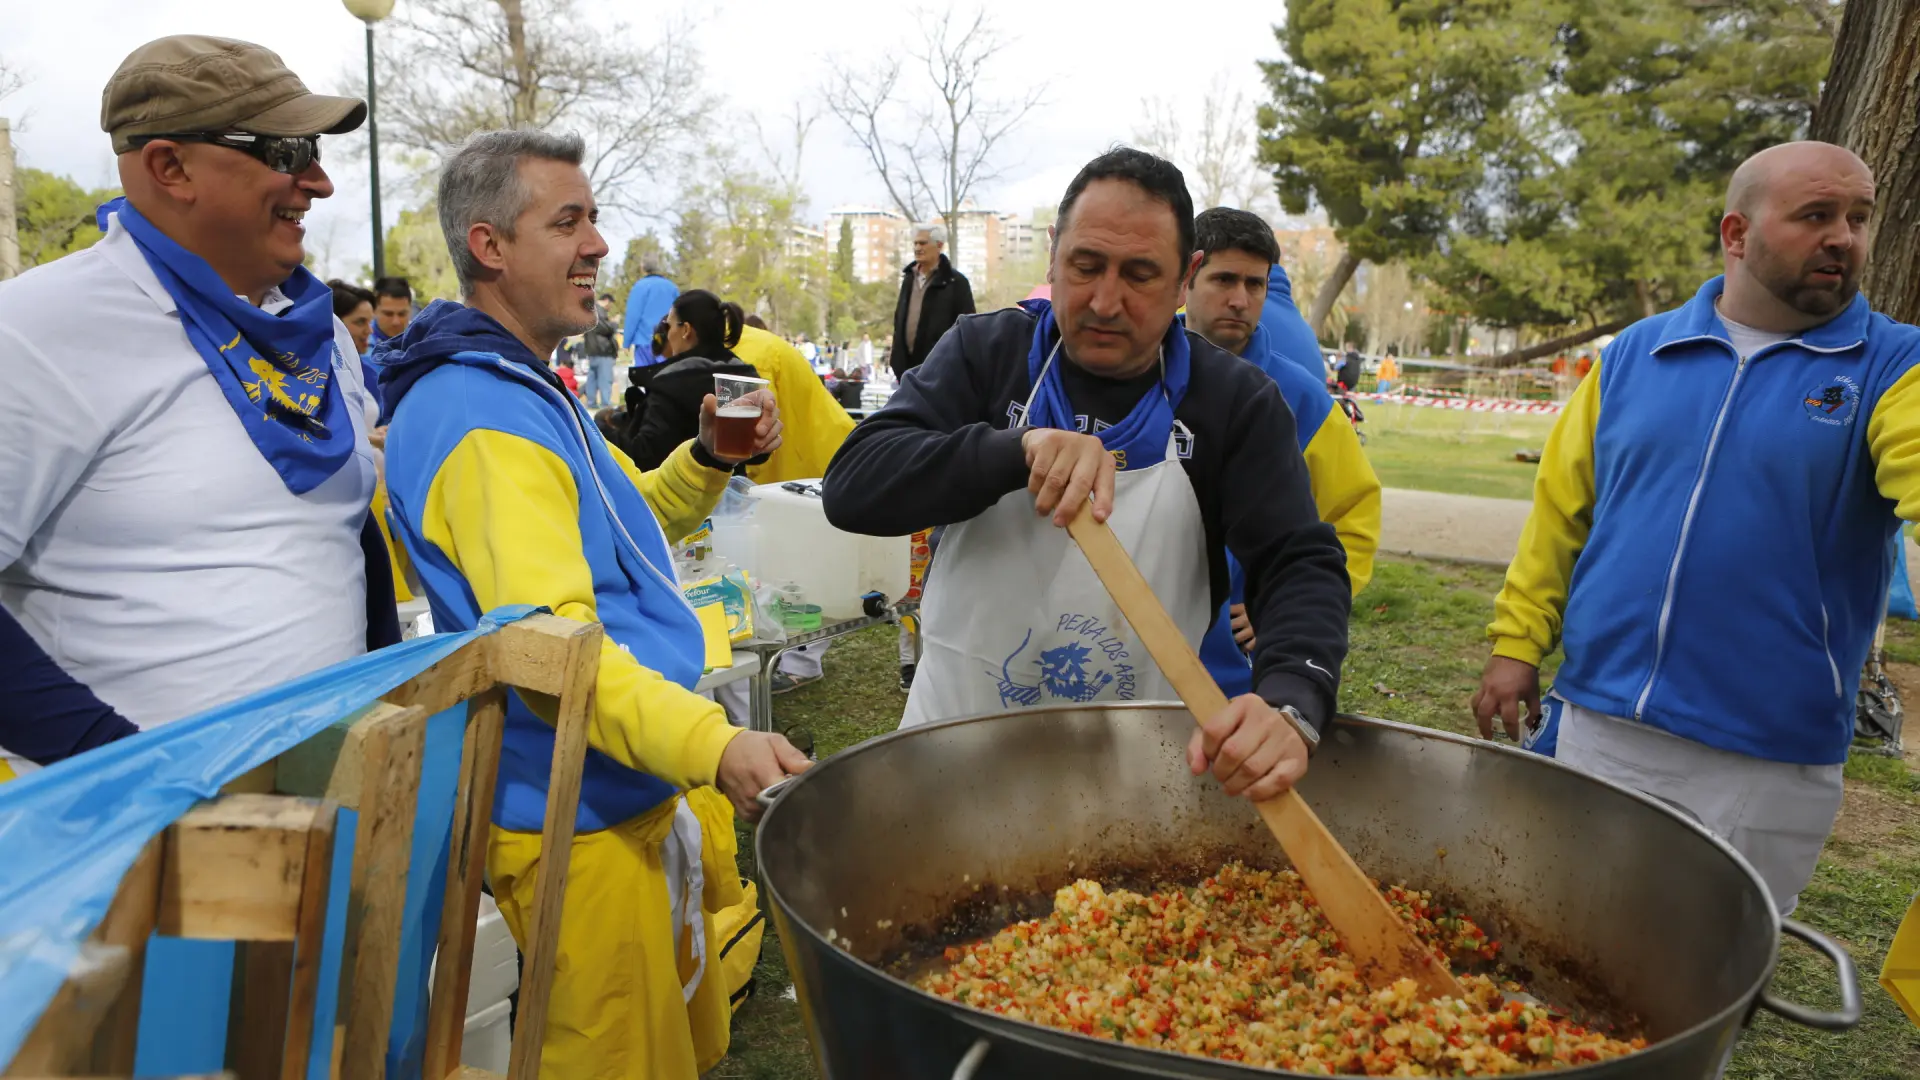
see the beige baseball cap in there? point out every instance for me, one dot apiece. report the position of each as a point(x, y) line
point(190, 83)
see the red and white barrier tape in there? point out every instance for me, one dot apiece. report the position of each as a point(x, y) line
point(1488, 405)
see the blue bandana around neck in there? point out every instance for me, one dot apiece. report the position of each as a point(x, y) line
point(1140, 440)
point(276, 371)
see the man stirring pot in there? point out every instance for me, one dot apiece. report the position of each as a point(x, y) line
point(1019, 416)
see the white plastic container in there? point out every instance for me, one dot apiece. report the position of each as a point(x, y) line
point(488, 1042)
point(495, 976)
point(833, 568)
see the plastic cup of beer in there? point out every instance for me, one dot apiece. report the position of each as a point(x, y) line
point(733, 430)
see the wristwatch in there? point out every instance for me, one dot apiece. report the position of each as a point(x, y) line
point(1307, 734)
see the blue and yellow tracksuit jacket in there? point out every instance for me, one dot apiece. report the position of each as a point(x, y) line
point(1709, 536)
point(503, 492)
point(1345, 490)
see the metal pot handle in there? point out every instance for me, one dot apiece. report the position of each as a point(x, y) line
point(772, 791)
point(1849, 1013)
point(970, 1064)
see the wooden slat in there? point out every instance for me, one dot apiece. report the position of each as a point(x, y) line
point(346, 783)
point(308, 941)
point(581, 666)
point(532, 653)
point(64, 1038)
point(383, 848)
point(1382, 946)
point(466, 863)
point(129, 924)
point(234, 869)
point(257, 1011)
point(459, 677)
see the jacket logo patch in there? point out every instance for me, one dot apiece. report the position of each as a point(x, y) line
point(1833, 402)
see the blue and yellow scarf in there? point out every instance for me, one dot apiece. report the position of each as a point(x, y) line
point(275, 370)
point(1140, 440)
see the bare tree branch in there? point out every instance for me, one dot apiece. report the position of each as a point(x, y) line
point(1217, 153)
point(860, 100)
point(934, 143)
point(11, 78)
point(449, 68)
point(799, 125)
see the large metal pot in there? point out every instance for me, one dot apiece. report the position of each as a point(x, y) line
point(1615, 902)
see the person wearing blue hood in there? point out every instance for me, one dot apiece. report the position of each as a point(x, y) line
point(1187, 452)
point(647, 304)
point(504, 492)
point(1286, 329)
point(1225, 306)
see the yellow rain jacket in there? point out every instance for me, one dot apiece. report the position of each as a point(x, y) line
point(816, 425)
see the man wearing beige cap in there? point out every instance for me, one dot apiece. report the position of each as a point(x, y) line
point(192, 527)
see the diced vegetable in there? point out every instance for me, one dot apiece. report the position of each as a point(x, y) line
point(1243, 967)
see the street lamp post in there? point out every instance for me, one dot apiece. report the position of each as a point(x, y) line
point(370, 12)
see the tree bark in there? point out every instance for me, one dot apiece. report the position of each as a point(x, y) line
point(1644, 293)
point(526, 85)
point(9, 216)
point(1871, 106)
point(1453, 338)
point(1517, 357)
point(1330, 289)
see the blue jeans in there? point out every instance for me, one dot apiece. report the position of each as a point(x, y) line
point(599, 388)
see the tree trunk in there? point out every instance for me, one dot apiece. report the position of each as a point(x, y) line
point(1517, 357)
point(526, 84)
point(1330, 289)
point(1453, 338)
point(1644, 292)
point(1872, 106)
point(9, 218)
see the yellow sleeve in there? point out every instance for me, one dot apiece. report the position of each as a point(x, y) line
point(1347, 493)
point(816, 425)
point(1527, 613)
point(681, 492)
point(1893, 437)
point(505, 511)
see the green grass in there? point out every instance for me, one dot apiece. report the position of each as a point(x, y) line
point(1417, 649)
point(1456, 452)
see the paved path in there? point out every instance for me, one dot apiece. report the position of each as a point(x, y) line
point(1473, 528)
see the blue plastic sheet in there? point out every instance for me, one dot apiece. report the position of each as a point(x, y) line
point(70, 832)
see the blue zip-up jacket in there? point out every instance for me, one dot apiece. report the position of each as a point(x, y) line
point(503, 489)
point(1716, 531)
point(1345, 490)
point(647, 303)
point(1287, 331)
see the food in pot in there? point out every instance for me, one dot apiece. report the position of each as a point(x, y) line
point(1244, 967)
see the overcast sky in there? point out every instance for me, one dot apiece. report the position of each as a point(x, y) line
point(1100, 60)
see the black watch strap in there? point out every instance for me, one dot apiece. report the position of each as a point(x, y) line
point(707, 460)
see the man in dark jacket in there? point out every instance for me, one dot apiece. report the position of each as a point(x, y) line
point(1187, 452)
point(933, 296)
point(601, 344)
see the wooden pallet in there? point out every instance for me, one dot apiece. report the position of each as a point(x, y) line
point(254, 868)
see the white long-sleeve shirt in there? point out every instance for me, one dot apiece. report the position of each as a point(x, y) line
point(144, 542)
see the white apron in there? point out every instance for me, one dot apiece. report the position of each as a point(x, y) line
point(1015, 618)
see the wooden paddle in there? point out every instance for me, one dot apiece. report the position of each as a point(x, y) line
point(1382, 947)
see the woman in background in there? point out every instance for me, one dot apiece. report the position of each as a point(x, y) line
point(701, 331)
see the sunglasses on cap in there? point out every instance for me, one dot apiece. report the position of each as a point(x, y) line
point(290, 154)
